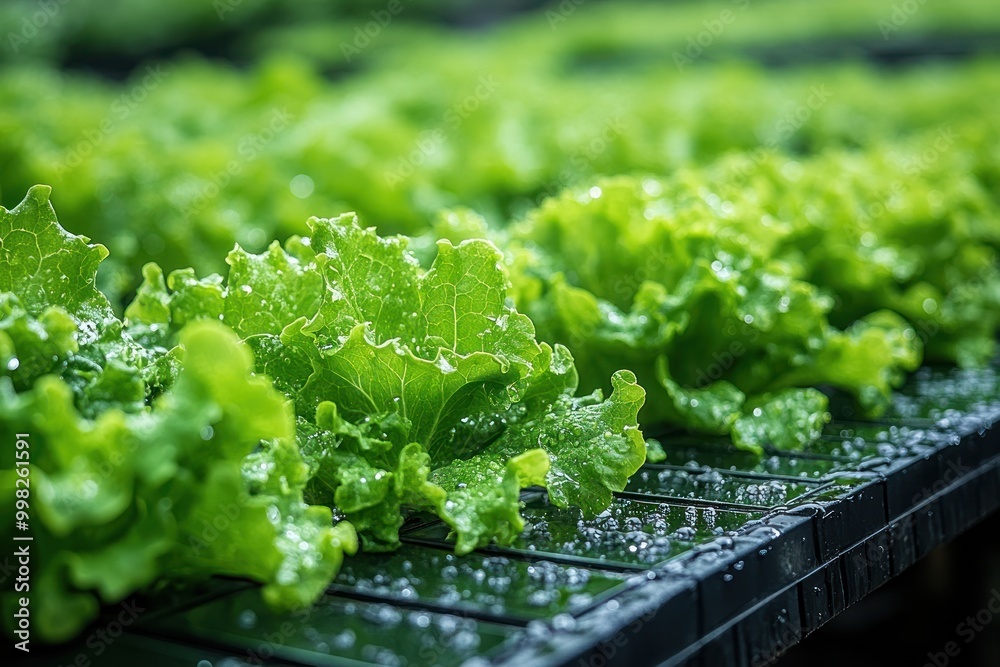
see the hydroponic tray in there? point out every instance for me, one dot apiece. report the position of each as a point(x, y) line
point(712, 557)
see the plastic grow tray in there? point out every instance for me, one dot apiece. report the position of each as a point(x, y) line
point(713, 557)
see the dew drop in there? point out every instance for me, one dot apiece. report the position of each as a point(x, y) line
point(302, 186)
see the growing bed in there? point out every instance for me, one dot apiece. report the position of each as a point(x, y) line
point(672, 367)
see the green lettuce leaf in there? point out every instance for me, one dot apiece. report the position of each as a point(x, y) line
point(691, 291)
point(148, 465)
point(413, 388)
point(789, 419)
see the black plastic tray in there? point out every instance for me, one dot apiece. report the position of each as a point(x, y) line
point(712, 558)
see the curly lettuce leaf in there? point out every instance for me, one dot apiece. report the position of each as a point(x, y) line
point(893, 231)
point(147, 464)
point(691, 291)
point(415, 388)
point(126, 500)
point(56, 321)
point(789, 419)
point(31, 347)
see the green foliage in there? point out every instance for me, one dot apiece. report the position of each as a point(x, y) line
point(698, 294)
point(758, 273)
point(413, 388)
point(388, 142)
point(133, 479)
point(162, 451)
point(825, 226)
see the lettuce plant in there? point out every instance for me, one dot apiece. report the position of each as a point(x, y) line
point(186, 441)
point(909, 227)
point(411, 388)
point(143, 463)
point(689, 290)
point(280, 141)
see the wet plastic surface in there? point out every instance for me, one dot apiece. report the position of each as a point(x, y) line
point(713, 557)
point(714, 486)
point(479, 584)
point(716, 454)
point(629, 535)
point(336, 630)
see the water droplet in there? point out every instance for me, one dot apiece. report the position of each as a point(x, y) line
point(247, 619)
point(344, 640)
point(564, 622)
point(302, 186)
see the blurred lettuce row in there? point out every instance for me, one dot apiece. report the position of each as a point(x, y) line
point(732, 289)
point(157, 178)
point(122, 29)
point(108, 30)
point(628, 35)
point(164, 449)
